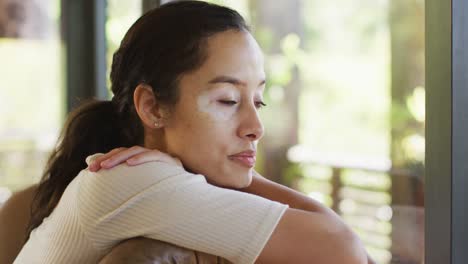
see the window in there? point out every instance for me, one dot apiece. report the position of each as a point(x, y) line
point(120, 16)
point(31, 90)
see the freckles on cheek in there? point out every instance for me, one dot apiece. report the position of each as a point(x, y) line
point(214, 112)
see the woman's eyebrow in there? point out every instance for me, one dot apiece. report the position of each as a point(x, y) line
point(231, 80)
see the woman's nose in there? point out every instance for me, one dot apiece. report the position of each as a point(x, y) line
point(251, 126)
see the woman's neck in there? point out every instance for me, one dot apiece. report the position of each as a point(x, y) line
point(155, 139)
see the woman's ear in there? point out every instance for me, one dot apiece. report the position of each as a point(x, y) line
point(148, 109)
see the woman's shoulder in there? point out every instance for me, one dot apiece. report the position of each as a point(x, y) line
point(123, 182)
point(146, 173)
point(99, 195)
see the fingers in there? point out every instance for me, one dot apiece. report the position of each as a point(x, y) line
point(150, 155)
point(122, 156)
point(153, 155)
point(132, 156)
point(96, 163)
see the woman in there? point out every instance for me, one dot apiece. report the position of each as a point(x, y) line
point(187, 80)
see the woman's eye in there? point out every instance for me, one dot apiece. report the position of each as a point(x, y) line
point(227, 102)
point(259, 104)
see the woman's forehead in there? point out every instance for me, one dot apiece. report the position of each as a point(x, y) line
point(233, 53)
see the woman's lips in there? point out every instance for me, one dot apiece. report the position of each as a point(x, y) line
point(244, 159)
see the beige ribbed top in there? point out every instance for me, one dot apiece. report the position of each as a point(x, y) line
point(156, 200)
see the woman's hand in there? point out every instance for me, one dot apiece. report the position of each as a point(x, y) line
point(132, 156)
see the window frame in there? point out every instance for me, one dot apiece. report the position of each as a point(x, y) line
point(446, 132)
point(83, 32)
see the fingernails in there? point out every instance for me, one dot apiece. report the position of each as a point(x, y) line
point(93, 167)
point(105, 163)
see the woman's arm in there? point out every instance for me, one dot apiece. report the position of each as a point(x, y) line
point(307, 231)
point(271, 190)
point(276, 192)
point(307, 221)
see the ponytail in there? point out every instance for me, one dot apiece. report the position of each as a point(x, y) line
point(94, 127)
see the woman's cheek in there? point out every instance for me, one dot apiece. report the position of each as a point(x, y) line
point(215, 111)
point(221, 114)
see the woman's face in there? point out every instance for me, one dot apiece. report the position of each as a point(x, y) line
point(214, 128)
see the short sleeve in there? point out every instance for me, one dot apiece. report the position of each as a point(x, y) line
point(164, 202)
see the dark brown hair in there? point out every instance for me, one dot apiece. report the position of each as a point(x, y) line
point(157, 50)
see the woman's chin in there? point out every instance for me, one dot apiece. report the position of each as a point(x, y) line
point(233, 181)
point(244, 181)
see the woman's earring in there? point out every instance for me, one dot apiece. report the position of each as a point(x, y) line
point(157, 124)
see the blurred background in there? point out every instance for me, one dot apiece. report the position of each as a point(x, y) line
point(345, 93)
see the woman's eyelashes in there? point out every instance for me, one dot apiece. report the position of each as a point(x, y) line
point(258, 104)
point(227, 102)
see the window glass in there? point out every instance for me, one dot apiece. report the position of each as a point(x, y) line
point(31, 90)
point(120, 16)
